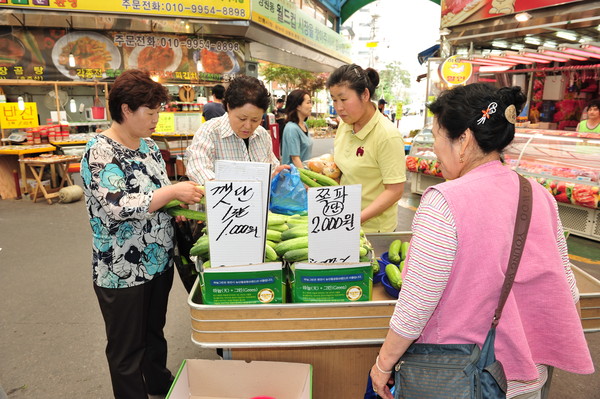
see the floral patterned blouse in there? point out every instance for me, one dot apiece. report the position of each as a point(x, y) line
point(130, 244)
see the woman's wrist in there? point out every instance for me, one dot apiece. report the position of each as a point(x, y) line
point(382, 371)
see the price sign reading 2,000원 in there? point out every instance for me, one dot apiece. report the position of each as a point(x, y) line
point(334, 224)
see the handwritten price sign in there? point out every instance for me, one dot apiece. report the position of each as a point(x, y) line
point(334, 224)
point(236, 222)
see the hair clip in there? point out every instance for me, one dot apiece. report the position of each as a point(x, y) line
point(356, 71)
point(491, 109)
point(510, 113)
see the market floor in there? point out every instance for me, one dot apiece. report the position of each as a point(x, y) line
point(52, 335)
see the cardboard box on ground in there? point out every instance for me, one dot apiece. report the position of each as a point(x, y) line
point(237, 379)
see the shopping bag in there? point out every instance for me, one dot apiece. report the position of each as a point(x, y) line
point(288, 195)
point(186, 234)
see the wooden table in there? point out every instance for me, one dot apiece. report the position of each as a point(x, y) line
point(10, 163)
point(36, 166)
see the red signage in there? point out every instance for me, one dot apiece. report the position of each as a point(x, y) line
point(456, 12)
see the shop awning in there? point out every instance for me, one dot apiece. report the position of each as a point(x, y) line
point(349, 7)
point(424, 55)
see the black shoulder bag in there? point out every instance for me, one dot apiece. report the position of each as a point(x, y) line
point(459, 371)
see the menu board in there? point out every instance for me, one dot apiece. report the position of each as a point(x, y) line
point(56, 54)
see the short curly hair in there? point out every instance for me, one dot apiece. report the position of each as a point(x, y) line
point(135, 88)
point(246, 90)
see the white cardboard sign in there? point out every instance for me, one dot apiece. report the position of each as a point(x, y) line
point(334, 224)
point(236, 223)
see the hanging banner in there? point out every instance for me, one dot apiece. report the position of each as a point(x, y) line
point(213, 9)
point(285, 18)
point(56, 54)
point(456, 12)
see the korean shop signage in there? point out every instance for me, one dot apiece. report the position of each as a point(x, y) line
point(213, 9)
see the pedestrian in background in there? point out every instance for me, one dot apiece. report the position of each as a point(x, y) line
point(125, 184)
point(235, 136)
point(459, 251)
point(296, 146)
point(368, 148)
point(381, 106)
point(215, 108)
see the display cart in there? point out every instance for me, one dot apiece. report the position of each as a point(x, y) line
point(10, 155)
point(340, 340)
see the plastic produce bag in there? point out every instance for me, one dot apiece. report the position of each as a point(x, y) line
point(288, 195)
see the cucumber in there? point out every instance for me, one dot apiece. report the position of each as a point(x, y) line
point(401, 267)
point(273, 235)
point(394, 252)
point(201, 247)
point(319, 178)
point(293, 243)
point(171, 204)
point(295, 232)
point(393, 274)
point(279, 227)
point(375, 266)
point(187, 213)
point(363, 251)
point(271, 243)
point(308, 181)
point(404, 249)
point(296, 255)
point(270, 254)
point(206, 265)
point(274, 219)
point(297, 222)
point(364, 259)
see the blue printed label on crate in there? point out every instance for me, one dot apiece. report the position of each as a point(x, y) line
point(252, 281)
point(332, 279)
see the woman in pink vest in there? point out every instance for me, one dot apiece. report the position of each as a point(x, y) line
point(462, 235)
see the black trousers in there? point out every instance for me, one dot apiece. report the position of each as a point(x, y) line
point(137, 349)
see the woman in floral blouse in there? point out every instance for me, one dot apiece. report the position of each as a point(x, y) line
point(126, 184)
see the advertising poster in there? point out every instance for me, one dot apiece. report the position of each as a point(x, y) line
point(57, 54)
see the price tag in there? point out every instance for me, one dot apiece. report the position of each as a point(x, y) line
point(334, 224)
point(236, 222)
point(166, 123)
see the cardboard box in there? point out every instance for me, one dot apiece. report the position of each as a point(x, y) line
point(589, 299)
point(342, 282)
point(235, 285)
point(238, 379)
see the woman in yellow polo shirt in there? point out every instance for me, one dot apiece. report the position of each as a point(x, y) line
point(368, 148)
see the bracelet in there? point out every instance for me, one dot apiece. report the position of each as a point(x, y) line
point(379, 368)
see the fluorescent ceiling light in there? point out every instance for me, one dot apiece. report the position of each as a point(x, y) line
point(550, 43)
point(517, 47)
point(523, 17)
point(585, 39)
point(563, 34)
point(500, 43)
point(571, 49)
point(533, 40)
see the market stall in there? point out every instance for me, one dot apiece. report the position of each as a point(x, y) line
point(340, 340)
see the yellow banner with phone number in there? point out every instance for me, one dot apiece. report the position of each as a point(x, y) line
point(214, 9)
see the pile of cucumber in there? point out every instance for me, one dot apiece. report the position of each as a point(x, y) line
point(396, 254)
point(286, 240)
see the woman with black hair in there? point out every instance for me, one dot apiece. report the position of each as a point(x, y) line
point(368, 148)
point(235, 136)
point(462, 235)
point(296, 146)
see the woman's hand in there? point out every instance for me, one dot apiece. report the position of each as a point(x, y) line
point(279, 169)
point(188, 192)
point(380, 383)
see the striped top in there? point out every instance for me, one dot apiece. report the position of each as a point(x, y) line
point(216, 140)
point(432, 253)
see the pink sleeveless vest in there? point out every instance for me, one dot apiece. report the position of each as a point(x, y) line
point(539, 323)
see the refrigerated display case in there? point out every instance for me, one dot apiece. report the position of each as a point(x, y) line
point(566, 163)
point(422, 163)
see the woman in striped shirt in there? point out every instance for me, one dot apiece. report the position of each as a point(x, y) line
point(459, 252)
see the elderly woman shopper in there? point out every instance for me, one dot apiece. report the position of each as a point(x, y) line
point(368, 148)
point(235, 136)
point(125, 185)
point(459, 252)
